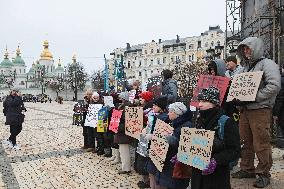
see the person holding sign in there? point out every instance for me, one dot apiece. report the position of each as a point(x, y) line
point(255, 118)
point(180, 117)
point(226, 143)
point(121, 138)
point(87, 101)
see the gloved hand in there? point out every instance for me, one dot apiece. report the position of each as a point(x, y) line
point(210, 167)
point(237, 102)
point(149, 136)
point(171, 140)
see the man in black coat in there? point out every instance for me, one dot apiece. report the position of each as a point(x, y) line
point(13, 107)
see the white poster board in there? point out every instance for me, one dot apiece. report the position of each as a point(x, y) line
point(92, 115)
point(108, 101)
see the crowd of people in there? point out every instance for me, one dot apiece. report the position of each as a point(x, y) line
point(245, 125)
point(246, 133)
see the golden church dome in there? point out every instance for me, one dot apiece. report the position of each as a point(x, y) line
point(46, 55)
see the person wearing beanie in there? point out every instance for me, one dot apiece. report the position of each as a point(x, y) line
point(145, 99)
point(159, 112)
point(232, 67)
point(180, 117)
point(122, 139)
point(226, 145)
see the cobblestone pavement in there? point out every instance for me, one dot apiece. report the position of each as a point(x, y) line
point(50, 156)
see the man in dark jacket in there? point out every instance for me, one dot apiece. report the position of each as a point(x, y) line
point(255, 118)
point(169, 86)
point(12, 109)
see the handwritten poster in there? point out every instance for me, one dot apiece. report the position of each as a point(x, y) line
point(115, 119)
point(155, 86)
point(245, 86)
point(133, 121)
point(92, 115)
point(159, 146)
point(195, 147)
point(132, 94)
point(108, 101)
point(102, 120)
point(206, 81)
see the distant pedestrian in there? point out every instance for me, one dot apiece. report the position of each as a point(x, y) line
point(169, 86)
point(12, 109)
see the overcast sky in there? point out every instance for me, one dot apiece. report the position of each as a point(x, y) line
point(91, 28)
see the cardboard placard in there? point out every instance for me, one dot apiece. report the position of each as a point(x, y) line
point(108, 101)
point(133, 121)
point(245, 86)
point(206, 81)
point(195, 147)
point(155, 86)
point(77, 118)
point(115, 119)
point(159, 146)
point(92, 115)
point(102, 120)
point(132, 94)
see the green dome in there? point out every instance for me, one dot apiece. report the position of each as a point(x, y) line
point(6, 63)
point(19, 60)
point(59, 69)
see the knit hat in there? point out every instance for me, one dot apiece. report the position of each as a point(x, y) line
point(161, 102)
point(210, 94)
point(147, 96)
point(124, 96)
point(95, 94)
point(178, 107)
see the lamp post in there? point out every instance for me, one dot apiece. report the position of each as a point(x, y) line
point(65, 80)
point(74, 72)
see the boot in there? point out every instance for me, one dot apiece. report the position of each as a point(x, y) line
point(107, 152)
point(117, 157)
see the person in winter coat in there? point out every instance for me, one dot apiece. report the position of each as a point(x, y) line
point(87, 100)
point(159, 112)
point(180, 117)
point(217, 67)
point(12, 109)
point(169, 86)
point(121, 138)
point(145, 99)
point(232, 67)
point(256, 117)
point(217, 173)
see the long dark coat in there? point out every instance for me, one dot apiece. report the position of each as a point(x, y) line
point(165, 178)
point(223, 151)
point(12, 109)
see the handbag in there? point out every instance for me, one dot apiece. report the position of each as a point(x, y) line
point(182, 171)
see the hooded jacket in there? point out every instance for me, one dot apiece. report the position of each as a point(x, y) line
point(221, 67)
point(271, 80)
point(169, 89)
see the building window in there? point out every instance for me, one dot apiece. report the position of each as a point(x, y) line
point(128, 64)
point(158, 50)
point(164, 60)
point(140, 63)
point(140, 74)
point(24, 70)
point(212, 44)
point(172, 59)
point(158, 61)
point(192, 57)
point(145, 51)
point(151, 62)
point(199, 44)
point(212, 35)
point(1, 71)
point(206, 44)
point(20, 71)
point(189, 57)
point(152, 51)
point(152, 71)
point(218, 43)
point(118, 56)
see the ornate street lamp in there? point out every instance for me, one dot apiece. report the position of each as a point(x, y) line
point(218, 50)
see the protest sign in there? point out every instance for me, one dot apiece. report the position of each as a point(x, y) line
point(77, 118)
point(108, 101)
point(92, 115)
point(245, 86)
point(206, 81)
point(155, 86)
point(120, 86)
point(102, 120)
point(159, 146)
point(133, 121)
point(195, 147)
point(132, 94)
point(115, 119)
point(143, 143)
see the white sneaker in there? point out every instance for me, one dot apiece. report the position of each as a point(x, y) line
point(16, 147)
point(111, 158)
